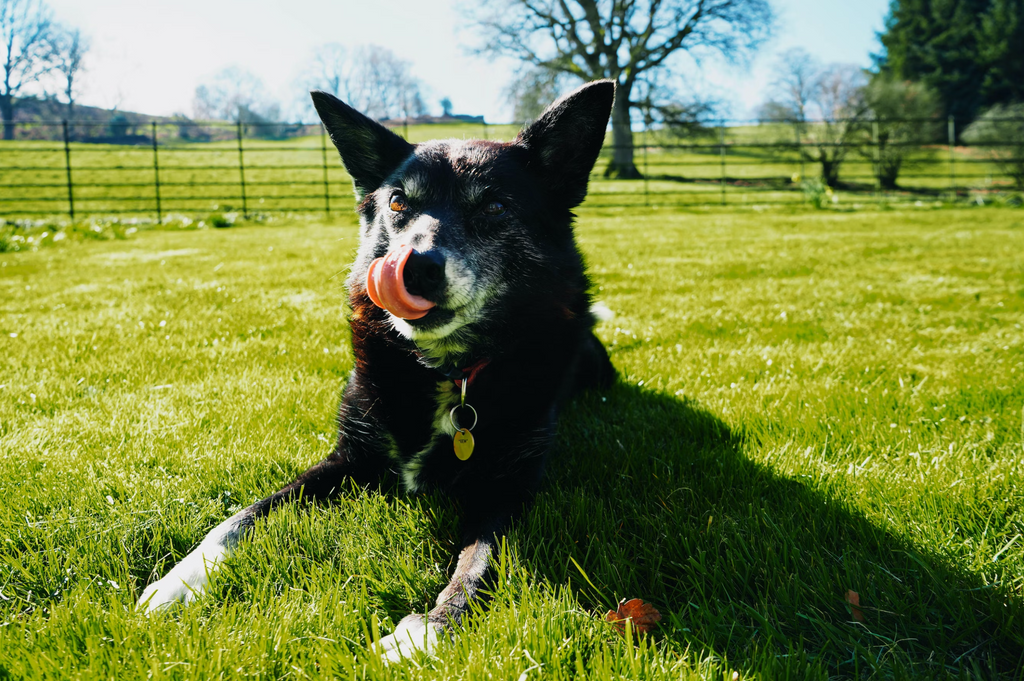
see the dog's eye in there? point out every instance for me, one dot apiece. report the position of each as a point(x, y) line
point(398, 203)
point(495, 208)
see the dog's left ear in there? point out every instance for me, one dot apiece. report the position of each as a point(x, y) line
point(369, 151)
point(565, 141)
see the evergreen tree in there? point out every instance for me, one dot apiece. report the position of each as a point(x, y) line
point(969, 51)
point(1002, 42)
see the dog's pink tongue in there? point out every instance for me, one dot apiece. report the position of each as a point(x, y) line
point(386, 286)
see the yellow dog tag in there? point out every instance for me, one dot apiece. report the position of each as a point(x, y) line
point(463, 444)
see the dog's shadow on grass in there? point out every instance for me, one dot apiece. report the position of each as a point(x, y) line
point(654, 498)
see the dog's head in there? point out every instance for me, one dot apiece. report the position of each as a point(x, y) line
point(458, 232)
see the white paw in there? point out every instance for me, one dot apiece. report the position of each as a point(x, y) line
point(412, 633)
point(185, 581)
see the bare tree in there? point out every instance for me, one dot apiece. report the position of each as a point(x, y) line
point(825, 104)
point(26, 54)
point(383, 85)
point(235, 94)
point(842, 107)
point(621, 40)
point(370, 78)
point(68, 49)
point(796, 81)
point(330, 70)
point(327, 68)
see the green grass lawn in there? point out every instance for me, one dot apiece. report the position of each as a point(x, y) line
point(809, 403)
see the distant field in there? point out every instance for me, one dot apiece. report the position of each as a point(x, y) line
point(298, 175)
point(809, 404)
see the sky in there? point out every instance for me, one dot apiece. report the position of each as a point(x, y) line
point(150, 56)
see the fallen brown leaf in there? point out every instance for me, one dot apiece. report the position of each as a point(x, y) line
point(644, 616)
point(853, 598)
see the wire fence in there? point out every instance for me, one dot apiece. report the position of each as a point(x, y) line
point(162, 169)
point(209, 167)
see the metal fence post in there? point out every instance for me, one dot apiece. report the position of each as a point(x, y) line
point(721, 150)
point(878, 153)
point(799, 149)
point(241, 169)
point(951, 133)
point(323, 149)
point(67, 167)
point(156, 176)
point(647, 196)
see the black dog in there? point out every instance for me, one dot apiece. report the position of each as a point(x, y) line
point(471, 326)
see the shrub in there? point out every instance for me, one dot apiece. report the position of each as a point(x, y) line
point(818, 193)
point(1001, 128)
point(904, 114)
point(220, 220)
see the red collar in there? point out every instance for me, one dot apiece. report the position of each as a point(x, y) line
point(459, 375)
point(470, 372)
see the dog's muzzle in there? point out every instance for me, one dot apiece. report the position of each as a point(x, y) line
point(404, 281)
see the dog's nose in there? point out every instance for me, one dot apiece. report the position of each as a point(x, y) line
point(424, 274)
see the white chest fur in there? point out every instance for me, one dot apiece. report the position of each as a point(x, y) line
point(447, 397)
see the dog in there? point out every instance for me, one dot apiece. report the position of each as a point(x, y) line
point(471, 326)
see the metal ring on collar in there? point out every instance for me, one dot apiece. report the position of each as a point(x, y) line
point(451, 416)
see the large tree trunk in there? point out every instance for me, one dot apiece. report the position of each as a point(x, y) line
point(831, 160)
point(830, 170)
point(7, 113)
point(621, 166)
point(889, 171)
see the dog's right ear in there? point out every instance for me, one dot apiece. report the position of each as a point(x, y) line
point(369, 151)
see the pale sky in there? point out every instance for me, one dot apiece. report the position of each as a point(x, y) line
point(150, 56)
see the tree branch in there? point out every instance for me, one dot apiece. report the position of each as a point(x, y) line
point(581, 48)
point(621, 39)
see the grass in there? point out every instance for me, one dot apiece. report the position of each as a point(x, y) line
point(304, 174)
point(809, 403)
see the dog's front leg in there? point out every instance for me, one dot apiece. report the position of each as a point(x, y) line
point(188, 579)
point(421, 632)
point(484, 524)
